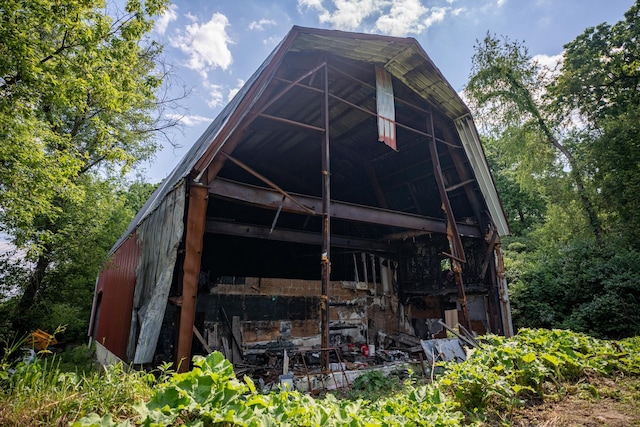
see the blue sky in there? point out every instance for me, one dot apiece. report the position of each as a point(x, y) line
point(215, 46)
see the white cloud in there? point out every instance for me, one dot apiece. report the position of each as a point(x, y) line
point(548, 61)
point(394, 17)
point(345, 14)
point(311, 4)
point(235, 90)
point(207, 45)
point(403, 18)
point(5, 245)
point(550, 66)
point(437, 15)
point(261, 24)
point(501, 3)
point(271, 41)
point(163, 21)
point(216, 96)
point(189, 120)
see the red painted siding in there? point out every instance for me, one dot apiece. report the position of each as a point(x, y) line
point(117, 283)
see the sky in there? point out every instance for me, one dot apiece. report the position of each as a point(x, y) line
point(214, 46)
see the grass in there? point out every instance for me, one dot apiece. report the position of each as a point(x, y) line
point(59, 389)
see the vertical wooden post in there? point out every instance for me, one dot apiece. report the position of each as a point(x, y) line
point(325, 259)
point(196, 216)
point(505, 305)
point(455, 243)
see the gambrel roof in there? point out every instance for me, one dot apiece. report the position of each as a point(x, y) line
point(271, 137)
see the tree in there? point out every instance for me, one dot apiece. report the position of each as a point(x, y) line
point(579, 286)
point(525, 207)
point(587, 112)
point(66, 289)
point(510, 87)
point(600, 81)
point(78, 103)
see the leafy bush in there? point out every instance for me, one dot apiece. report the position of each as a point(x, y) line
point(373, 385)
point(505, 372)
point(579, 286)
point(210, 394)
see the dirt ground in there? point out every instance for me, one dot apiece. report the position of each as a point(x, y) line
point(598, 402)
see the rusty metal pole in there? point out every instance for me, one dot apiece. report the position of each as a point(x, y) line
point(325, 259)
point(196, 218)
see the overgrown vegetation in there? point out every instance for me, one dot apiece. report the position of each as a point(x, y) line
point(562, 143)
point(502, 376)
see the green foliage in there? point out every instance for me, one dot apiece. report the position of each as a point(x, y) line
point(210, 394)
point(599, 81)
point(563, 148)
point(374, 385)
point(50, 391)
point(501, 375)
point(534, 143)
point(524, 204)
point(66, 287)
point(64, 113)
point(505, 373)
point(80, 106)
point(579, 285)
point(601, 70)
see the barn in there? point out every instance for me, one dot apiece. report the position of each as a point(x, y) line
point(341, 198)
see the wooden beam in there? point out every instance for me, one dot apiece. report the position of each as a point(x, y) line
point(278, 234)
point(270, 199)
point(453, 234)
point(196, 214)
point(268, 182)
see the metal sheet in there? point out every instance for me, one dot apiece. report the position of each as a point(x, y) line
point(386, 108)
point(471, 142)
point(116, 285)
point(445, 349)
point(160, 236)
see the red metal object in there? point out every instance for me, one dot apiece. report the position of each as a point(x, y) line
point(116, 286)
point(365, 350)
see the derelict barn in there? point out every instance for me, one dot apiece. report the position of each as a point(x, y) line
point(342, 197)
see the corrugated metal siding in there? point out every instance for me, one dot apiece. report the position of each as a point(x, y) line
point(117, 283)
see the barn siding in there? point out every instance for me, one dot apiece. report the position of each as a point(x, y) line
point(160, 235)
point(116, 284)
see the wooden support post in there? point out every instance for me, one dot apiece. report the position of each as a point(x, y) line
point(505, 305)
point(196, 215)
point(457, 255)
point(325, 259)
